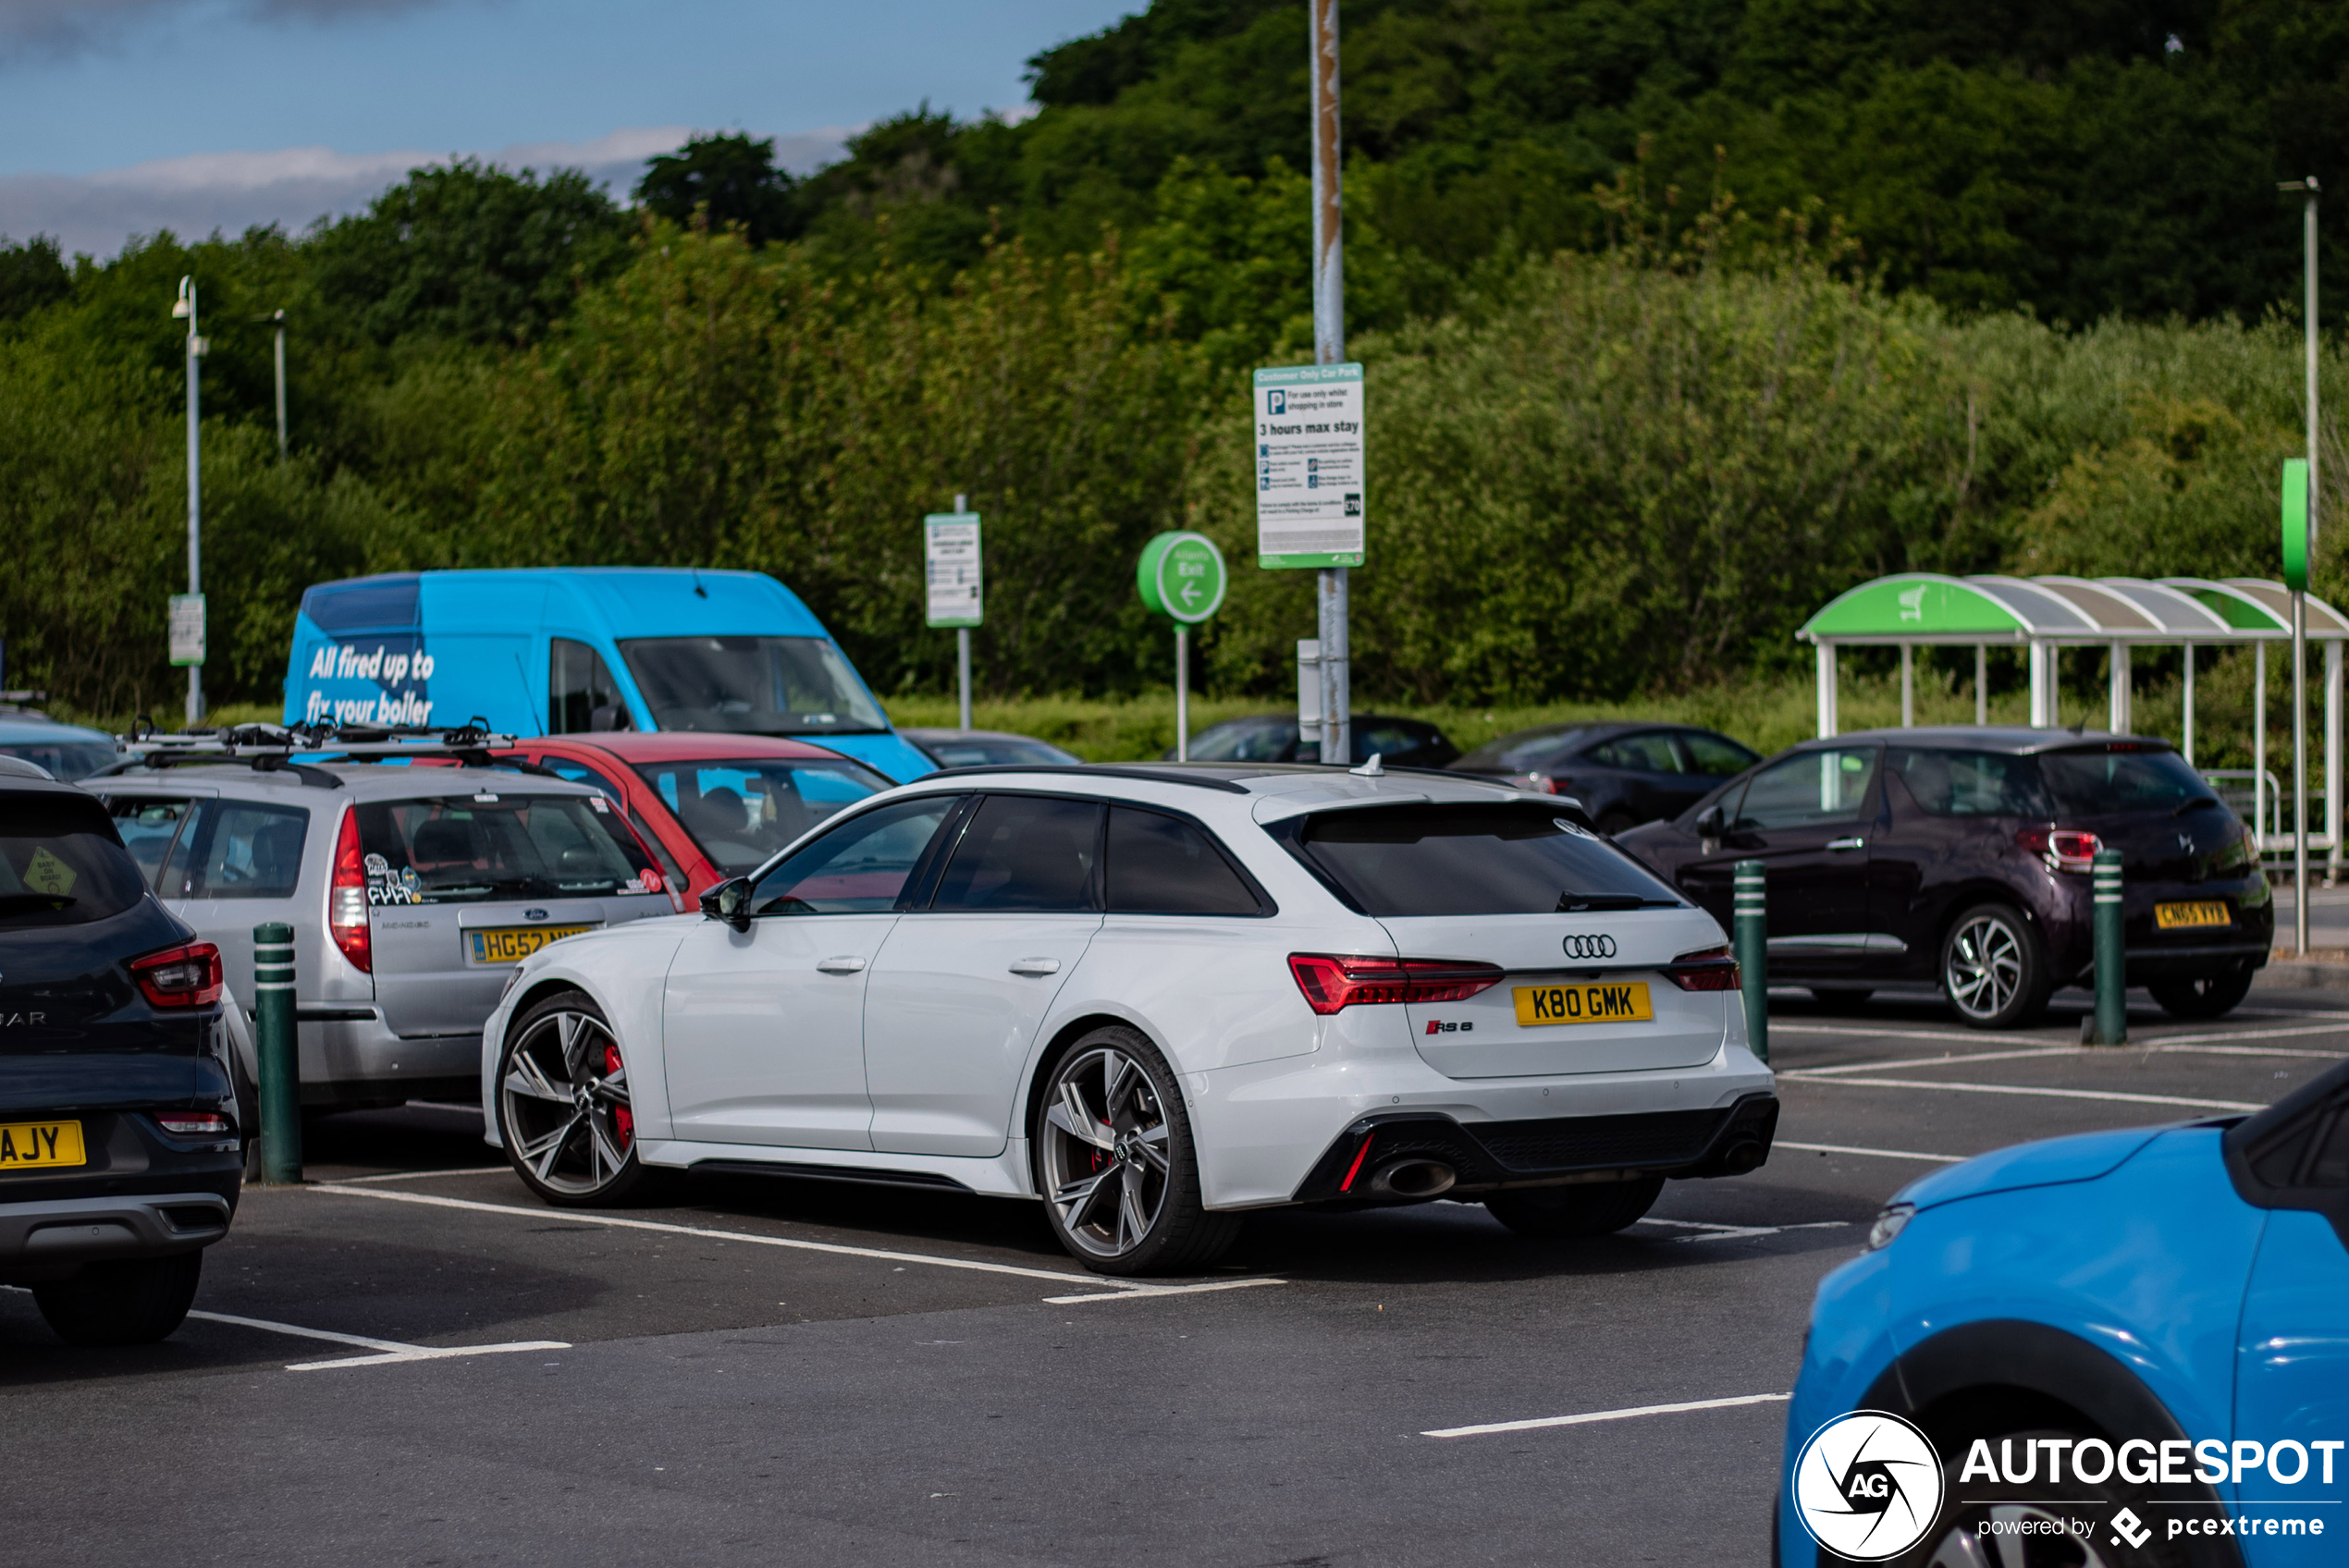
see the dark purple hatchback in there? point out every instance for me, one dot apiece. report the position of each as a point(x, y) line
point(1961, 856)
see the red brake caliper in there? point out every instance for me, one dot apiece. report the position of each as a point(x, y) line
point(623, 1121)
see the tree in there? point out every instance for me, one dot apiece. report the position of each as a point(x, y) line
point(731, 179)
point(32, 275)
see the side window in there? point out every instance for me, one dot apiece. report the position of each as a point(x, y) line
point(1829, 785)
point(859, 867)
point(1023, 853)
point(1711, 754)
point(1972, 783)
point(149, 828)
point(249, 851)
point(1651, 752)
point(581, 695)
point(1161, 865)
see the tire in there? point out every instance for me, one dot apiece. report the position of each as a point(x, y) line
point(1958, 1539)
point(1994, 972)
point(2211, 997)
point(1585, 1208)
point(135, 1302)
point(1841, 995)
point(563, 1110)
point(1114, 1124)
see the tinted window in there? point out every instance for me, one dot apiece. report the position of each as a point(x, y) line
point(1400, 741)
point(1161, 865)
point(1022, 852)
point(464, 849)
point(1823, 786)
point(1472, 860)
point(581, 695)
point(2088, 781)
point(857, 868)
point(1247, 739)
point(1651, 752)
point(1712, 755)
point(750, 685)
point(59, 863)
point(1970, 783)
point(1525, 752)
point(743, 814)
point(148, 827)
point(65, 759)
point(996, 751)
point(246, 851)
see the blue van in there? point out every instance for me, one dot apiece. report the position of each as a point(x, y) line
point(561, 650)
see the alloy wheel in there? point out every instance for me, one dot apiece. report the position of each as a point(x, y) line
point(1985, 968)
point(564, 1096)
point(1106, 1165)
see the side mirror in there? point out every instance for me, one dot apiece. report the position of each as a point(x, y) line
point(1709, 829)
point(728, 902)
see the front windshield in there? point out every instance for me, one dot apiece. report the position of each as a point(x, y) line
point(742, 810)
point(750, 685)
point(67, 759)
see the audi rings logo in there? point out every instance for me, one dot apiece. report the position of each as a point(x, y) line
point(1600, 945)
point(1867, 1486)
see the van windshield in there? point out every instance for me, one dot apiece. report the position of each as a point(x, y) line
point(751, 685)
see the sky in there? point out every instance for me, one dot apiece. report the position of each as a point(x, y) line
point(123, 116)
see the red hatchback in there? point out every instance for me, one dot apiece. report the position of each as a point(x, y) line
point(709, 806)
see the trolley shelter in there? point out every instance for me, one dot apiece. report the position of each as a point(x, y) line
point(2047, 615)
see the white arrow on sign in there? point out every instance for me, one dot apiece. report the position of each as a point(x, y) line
point(1190, 595)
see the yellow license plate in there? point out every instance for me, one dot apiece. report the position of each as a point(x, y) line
point(25, 1144)
point(2175, 917)
point(1603, 1001)
point(512, 944)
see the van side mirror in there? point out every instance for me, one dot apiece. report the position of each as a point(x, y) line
point(728, 902)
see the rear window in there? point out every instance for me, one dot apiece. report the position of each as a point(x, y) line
point(1525, 752)
point(1970, 783)
point(1498, 859)
point(66, 759)
point(742, 813)
point(466, 848)
point(2094, 780)
point(60, 864)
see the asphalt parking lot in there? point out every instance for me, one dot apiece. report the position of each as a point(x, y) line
point(412, 1361)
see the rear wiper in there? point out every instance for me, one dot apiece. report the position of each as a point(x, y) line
point(16, 903)
point(2195, 804)
point(1591, 903)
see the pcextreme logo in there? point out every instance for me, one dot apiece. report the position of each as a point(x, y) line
point(1868, 1486)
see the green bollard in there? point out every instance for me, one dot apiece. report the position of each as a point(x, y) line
point(2111, 952)
point(280, 1062)
point(1751, 926)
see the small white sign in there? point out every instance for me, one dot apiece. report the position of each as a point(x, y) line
point(950, 549)
point(1308, 466)
point(187, 629)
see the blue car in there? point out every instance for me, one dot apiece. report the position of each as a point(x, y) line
point(2122, 1348)
point(67, 751)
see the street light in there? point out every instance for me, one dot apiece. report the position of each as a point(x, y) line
point(187, 613)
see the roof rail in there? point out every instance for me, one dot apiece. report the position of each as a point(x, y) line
point(1093, 770)
point(271, 748)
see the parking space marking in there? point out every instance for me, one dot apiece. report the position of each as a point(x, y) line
point(387, 1351)
point(1590, 1416)
point(2224, 1037)
point(1881, 1154)
point(1130, 1292)
point(2116, 1094)
point(1119, 1289)
point(419, 1175)
point(1709, 1232)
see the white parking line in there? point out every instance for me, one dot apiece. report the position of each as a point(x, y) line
point(1905, 1064)
point(388, 1350)
point(1132, 1290)
point(2114, 1095)
point(1118, 1289)
point(1709, 1232)
point(1590, 1416)
point(419, 1175)
point(1974, 1036)
point(1881, 1154)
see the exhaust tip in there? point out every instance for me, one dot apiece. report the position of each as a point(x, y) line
point(1413, 1178)
point(1743, 1156)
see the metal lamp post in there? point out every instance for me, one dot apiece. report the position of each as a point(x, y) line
point(2299, 590)
point(185, 308)
point(1329, 349)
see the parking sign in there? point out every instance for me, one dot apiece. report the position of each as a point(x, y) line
point(951, 558)
point(1308, 466)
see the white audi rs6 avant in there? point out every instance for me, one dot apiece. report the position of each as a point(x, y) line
point(1155, 997)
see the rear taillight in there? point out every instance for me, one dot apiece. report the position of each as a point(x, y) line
point(347, 900)
point(1332, 982)
point(184, 976)
point(2064, 849)
point(1708, 969)
point(194, 1124)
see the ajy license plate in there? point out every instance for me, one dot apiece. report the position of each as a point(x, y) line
point(1605, 1001)
point(512, 944)
point(40, 1143)
point(2173, 917)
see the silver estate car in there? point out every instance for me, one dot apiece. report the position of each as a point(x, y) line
point(413, 891)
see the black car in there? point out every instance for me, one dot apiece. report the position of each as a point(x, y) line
point(987, 748)
point(1623, 774)
point(120, 1154)
point(1962, 856)
point(1272, 737)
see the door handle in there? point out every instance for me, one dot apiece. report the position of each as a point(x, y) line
point(1846, 843)
point(848, 963)
point(1035, 966)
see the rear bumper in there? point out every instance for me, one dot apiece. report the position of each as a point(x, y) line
point(2198, 961)
point(350, 1057)
point(49, 1237)
point(1549, 1151)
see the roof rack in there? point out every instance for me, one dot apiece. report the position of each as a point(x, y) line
point(271, 748)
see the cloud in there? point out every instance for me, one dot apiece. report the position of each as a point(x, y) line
point(60, 28)
point(201, 192)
